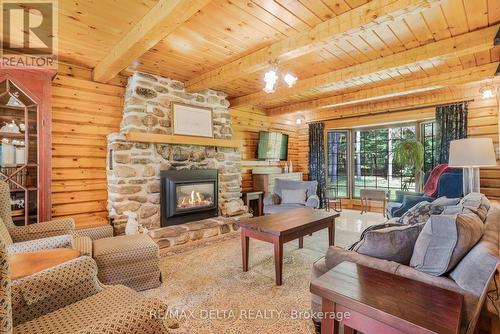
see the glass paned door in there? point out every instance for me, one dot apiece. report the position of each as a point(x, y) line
point(338, 162)
point(374, 166)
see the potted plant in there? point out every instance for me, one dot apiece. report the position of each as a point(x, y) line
point(410, 153)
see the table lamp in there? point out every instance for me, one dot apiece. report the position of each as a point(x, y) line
point(470, 154)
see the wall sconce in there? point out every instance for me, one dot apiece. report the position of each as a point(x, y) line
point(486, 92)
point(300, 119)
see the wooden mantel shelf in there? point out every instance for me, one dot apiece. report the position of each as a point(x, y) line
point(177, 139)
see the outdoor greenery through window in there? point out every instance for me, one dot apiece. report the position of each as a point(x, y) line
point(374, 166)
point(366, 157)
point(428, 134)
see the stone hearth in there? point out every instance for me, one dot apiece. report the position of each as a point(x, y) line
point(134, 167)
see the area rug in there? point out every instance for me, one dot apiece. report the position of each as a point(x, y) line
point(207, 291)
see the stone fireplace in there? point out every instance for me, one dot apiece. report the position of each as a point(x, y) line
point(135, 169)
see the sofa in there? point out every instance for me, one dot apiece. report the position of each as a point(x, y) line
point(450, 184)
point(472, 276)
point(69, 298)
point(274, 202)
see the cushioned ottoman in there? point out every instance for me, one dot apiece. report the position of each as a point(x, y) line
point(131, 260)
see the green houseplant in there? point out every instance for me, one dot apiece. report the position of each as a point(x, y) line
point(410, 153)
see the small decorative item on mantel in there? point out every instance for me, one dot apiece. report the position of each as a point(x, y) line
point(132, 224)
point(290, 168)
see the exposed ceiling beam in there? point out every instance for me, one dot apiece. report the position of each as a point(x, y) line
point(462, 45)
point(158, 23)
point(366, 16)
point(392, 90)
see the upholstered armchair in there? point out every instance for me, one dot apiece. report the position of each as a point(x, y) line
point(450, 184)
point(274, 202)
point(52, 228)
point(69, 298)
point(59, 233)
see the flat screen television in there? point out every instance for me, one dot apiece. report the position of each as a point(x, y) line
point(272, 146)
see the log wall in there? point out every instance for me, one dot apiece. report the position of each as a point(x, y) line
point(83, 113)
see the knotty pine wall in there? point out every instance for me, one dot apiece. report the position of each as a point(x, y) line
point(83, 113)
point(482, 122)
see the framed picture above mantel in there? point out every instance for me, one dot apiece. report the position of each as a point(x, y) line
point(189, 120)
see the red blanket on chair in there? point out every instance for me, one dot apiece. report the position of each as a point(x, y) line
point(431, 186)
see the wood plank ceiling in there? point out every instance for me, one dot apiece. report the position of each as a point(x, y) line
point(236, 32)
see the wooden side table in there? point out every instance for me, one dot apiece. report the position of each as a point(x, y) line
point(373, 301)
point(258, 196)
point(374, 195)
point(25, 264)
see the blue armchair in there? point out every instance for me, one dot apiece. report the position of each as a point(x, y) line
point(450, 184)
point(272, 203)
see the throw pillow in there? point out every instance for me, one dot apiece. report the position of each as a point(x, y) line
point(420, 213)
point(453, 209)
point(445, 201)
point(392, 242)
point(444, 241)
point(476, 203)
point(293, 196)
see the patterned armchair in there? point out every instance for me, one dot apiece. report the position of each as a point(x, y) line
point(58, 233)
point(70, 299)
point(31, 232)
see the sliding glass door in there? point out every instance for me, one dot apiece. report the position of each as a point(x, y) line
point(364, 158)
point(374, 166)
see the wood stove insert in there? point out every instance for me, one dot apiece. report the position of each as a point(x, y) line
point(188, 195)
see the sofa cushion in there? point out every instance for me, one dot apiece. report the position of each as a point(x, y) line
point(293, 196)
point(392, 243)
point(444, 241)
point(420, 213)
point(478, 266)
point(280, 184)
point(445, 201)
point(271, 209)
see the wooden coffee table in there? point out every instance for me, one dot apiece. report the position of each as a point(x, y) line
point(283, 227)
point(374, 301)
point(25, 264)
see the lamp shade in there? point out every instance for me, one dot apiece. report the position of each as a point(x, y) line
point(472, 152)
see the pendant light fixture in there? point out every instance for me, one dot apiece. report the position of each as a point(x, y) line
point(271, 78)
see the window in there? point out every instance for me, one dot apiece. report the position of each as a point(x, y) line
point(373, 163)
point(338, 145)
point(428, 138)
